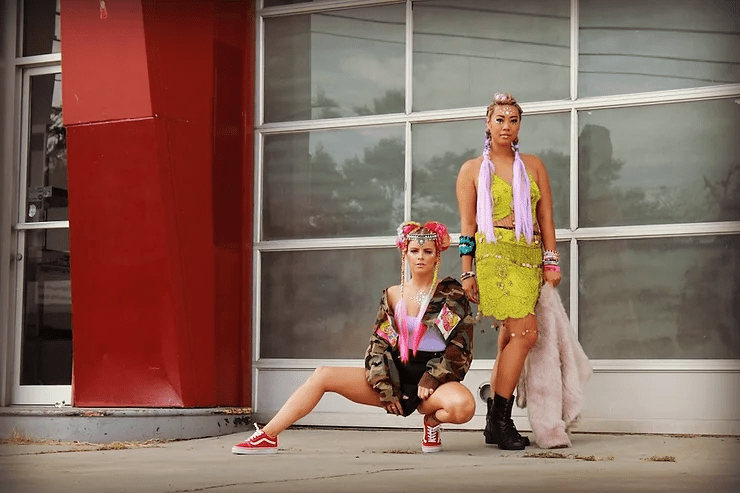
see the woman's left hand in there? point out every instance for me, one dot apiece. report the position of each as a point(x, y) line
point(425, 392)
point(552, 277)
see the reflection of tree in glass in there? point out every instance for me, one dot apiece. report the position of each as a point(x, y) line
point(597, 171)
point(610, 204)
point(710, 269)
point(725, 194)
point(558, 171)
point(392, 102)
point(433, 188)
point(56, 140)
point(362, 196)
point(327, 107)
point(375, 181)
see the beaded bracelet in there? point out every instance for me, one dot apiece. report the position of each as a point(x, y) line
point(551, 254)
point(467, 245)
point(467, 275)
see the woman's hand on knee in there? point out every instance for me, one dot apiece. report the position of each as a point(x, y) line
point(425, 392)
point(393, 407)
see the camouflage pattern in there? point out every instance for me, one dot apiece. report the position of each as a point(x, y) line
point(380, 369)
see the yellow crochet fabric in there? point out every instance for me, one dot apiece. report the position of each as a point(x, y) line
point(509, 274)
point(503, 195)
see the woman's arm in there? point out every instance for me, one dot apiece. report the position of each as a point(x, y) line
point(466, 202)
point(544, 215)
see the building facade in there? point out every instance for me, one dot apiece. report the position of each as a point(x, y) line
point(215, 214)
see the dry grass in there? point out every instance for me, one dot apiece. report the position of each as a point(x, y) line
point(558, 455)
point(660, 458)
point(16, 438)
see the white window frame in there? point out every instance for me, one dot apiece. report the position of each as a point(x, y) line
point(25, 68)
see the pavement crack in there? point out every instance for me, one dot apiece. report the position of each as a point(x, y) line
point(293, 480)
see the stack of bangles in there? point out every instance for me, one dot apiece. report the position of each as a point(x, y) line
point(551, 261)
point(467, 275)
point(467, 245)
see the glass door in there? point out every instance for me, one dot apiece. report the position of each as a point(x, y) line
point(42, 372)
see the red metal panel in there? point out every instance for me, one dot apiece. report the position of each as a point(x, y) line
point(104, 61)
point(125, 329)
point(160, 208)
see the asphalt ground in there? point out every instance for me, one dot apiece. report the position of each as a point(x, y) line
point(372, 460)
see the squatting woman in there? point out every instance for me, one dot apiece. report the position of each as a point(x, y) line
point(420, 349)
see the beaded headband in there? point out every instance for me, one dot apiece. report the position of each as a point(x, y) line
point(411, 230)
point(421, 238)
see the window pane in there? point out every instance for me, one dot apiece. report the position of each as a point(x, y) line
point(465, 51)
point(637, 46)
point(673, 163)
point(660, 298)
point(439, 149)
point(46, 353)
point(334, 183)
point(335, 64)
point(41, 31)
point(47, 152)
point(322, 304)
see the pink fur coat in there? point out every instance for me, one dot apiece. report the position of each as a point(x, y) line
point(554, 374)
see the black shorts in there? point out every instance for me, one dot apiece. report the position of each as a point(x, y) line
point(410, 373)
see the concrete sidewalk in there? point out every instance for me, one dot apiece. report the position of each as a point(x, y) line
point(343, 460)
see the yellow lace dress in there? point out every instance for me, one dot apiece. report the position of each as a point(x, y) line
point(509, 272)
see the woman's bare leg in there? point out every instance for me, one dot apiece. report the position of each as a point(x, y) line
point(502, 339)
point(520, 337)
point(451, 402)
point(347, 382)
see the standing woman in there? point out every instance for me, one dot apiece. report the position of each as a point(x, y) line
point(419, 351)
point(507, 227)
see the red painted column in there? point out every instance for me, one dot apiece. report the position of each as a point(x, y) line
point(158, 108)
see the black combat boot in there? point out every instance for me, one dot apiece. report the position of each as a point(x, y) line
point(490, 432)
point(508, 437)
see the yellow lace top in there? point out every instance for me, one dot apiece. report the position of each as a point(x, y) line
point(509, 272)
point(503, 196)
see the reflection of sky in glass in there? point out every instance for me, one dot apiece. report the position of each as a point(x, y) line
point(351, 143)
point(634, 45)
point(667, 145)
point(357, 55)
point(465, 51)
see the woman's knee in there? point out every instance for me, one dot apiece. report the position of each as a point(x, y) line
point(321, 377)
point(461, 409)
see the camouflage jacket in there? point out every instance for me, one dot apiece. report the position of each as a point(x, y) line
point(449, 314)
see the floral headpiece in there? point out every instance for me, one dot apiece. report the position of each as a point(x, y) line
point(411, 230)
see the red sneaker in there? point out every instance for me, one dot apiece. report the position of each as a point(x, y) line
point(259, 443)
point(431, 442)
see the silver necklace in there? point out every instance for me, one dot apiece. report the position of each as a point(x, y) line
point(421, 295)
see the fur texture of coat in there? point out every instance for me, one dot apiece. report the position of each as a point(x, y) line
point(555, 372)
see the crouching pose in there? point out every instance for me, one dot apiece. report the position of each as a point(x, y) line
point(419, 351)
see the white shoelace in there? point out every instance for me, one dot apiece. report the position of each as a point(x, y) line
point(432, 433)
point(256, 433)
